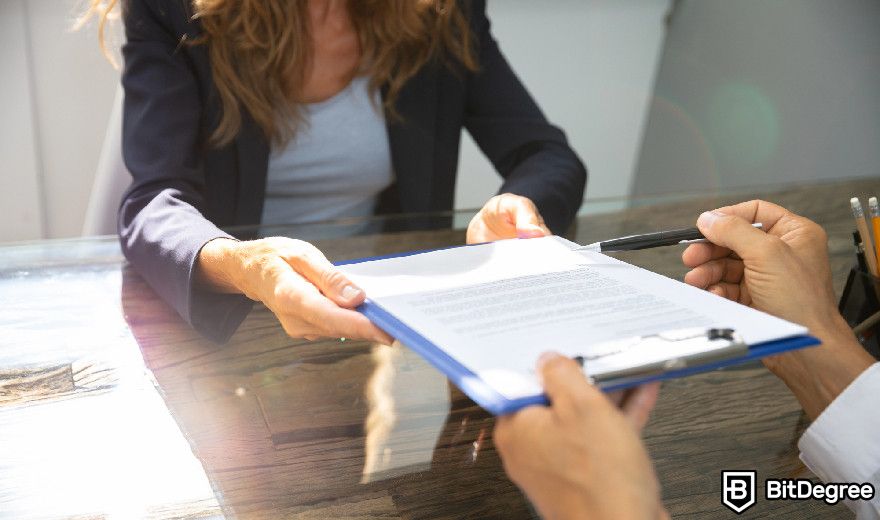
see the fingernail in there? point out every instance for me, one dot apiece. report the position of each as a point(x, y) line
point(530, 232)
point(708, 218)
point(350, 292)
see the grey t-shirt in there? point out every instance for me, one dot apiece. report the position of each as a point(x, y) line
point(336, 164)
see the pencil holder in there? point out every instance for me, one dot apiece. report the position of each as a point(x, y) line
point(858, 303)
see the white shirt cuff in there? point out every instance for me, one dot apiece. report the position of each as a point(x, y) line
point(843, 443)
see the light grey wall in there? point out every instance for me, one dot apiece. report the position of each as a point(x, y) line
point(55, 98)
point(73, 91)
point(591, 65)
point(754, 92)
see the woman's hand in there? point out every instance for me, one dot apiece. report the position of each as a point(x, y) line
point(581, 457)
point(506, 216)
point(784, 271)
point(308, 295)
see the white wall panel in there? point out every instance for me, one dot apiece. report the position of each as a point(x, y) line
point(20, 207)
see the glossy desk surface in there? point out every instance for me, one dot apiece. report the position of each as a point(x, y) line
point(111, 407)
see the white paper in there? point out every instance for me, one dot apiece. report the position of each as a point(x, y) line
point(496, 307)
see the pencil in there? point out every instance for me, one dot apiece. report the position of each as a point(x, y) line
point(874, 212)
point(862, 226)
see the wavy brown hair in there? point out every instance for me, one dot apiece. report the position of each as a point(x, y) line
point(260, 50)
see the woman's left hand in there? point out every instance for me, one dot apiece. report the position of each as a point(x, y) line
point(506, 216)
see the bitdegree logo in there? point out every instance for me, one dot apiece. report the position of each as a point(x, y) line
point(803, 489)
point(738, 489)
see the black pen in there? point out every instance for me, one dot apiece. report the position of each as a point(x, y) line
point(650, 240)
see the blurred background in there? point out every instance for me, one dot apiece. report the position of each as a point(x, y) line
point(659, 98)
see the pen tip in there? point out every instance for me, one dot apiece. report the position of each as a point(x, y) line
point(854, 202)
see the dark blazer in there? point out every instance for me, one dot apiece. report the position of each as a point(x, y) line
point(184, 190)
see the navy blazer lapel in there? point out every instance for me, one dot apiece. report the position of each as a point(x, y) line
point(253, 167)
point(412, 140)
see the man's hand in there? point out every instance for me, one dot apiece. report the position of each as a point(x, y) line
point(581, 457)
point(782, 270)
point(506, 216)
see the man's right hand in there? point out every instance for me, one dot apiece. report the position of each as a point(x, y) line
point(309, 295)
point(782, 270)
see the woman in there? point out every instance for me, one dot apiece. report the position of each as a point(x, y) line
point(283, 111)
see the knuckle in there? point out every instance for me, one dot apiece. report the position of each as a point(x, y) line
point(773, 247)
point(296, 250)
point(333, 278)
point(299, 257)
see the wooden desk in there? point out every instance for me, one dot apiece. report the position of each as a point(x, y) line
point(293, 429)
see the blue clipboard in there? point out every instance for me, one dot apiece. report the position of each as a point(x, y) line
point(497, 404)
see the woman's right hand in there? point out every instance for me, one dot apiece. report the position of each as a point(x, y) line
point(309, 295)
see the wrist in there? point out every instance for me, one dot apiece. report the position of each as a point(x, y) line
point(218, 265)
point(832, 329)
point(817, 375)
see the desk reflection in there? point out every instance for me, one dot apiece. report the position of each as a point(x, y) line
point(297, 429)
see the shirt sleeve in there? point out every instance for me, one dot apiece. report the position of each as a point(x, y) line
point(843, 443)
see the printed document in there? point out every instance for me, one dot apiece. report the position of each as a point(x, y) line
point(496, 307)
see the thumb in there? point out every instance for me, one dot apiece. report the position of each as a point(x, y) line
point(528, 221)
point(314, 267)
point(564, 381)
point(731, 231)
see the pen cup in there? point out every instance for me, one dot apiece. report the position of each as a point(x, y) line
point(859, 302)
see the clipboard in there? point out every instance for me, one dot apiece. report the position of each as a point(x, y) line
point(728, 349)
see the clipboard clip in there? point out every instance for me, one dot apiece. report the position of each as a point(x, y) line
point(683, 348)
